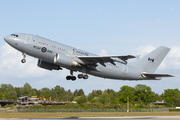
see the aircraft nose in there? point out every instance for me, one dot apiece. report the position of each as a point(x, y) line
point(9, 40)
point(6, 38)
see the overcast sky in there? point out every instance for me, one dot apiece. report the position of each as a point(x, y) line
point(118, 27)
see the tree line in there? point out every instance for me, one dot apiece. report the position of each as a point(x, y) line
point(140, 94)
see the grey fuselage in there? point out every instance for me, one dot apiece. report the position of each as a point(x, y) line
point(32, 45)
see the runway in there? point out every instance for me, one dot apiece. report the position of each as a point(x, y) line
point(102, 118)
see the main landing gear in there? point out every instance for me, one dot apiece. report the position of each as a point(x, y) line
point(83, 75)
point(71, 77)
point(24, 56)
point(80, 76)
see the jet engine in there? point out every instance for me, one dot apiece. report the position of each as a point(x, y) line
point(64, 60)
point(47, 65)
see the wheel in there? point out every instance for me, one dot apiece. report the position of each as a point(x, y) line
point(85, 77)
point(68, 77)
point(23, 60)
point(73, 78)
point(80, 76)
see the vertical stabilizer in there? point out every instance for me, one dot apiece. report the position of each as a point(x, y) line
point(150, 62)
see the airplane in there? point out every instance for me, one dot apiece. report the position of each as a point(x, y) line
point(55, 56)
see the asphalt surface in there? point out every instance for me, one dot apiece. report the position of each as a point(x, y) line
point(102, 118)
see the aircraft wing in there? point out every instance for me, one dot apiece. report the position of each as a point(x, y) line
point(103, 59)
point(156, 76)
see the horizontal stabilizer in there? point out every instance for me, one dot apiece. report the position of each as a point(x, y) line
point(155, 76)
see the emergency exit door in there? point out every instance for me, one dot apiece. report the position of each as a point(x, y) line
point(125, 69)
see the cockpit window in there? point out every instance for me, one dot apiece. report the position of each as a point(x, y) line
point(14, 35)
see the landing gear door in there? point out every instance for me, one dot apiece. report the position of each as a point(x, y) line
point(125, 70)
point(28, 39)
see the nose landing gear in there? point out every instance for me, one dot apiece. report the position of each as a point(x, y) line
point(24, 56)
point(23, 60)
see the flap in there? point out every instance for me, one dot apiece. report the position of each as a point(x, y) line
point(103, 59)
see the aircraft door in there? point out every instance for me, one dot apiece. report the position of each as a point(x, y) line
point(28, 39)
point(125, 69)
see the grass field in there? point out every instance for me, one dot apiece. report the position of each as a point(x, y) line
point(85, 114)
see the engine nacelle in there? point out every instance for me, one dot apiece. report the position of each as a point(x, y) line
point(47, 65)
point(64, 60)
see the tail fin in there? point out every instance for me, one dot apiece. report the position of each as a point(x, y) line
point(150, 62)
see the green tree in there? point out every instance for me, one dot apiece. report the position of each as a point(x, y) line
point(90, 97)
point(177, 100)
point(144, 93)
point(4, 87)
point(18, 91)
point(96, 93)
point(158, 97)
point(93, 94)
point(8, 91)
point(3, 94)
point(12, 92)
point(80, 99)
point(104, 98)
point(127, 91)
point(46, 92)
point(113, 96)
point(171, 96)
point(35, 92)
point(26, 91)
point(76, 92)
point(70, 95)
point(94, 101)
point(59, 93)
point(80, 92)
